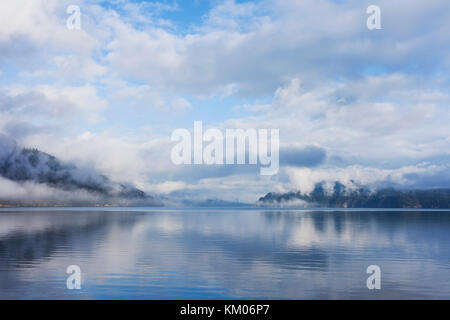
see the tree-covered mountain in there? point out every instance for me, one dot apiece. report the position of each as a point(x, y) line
point(341, 197)
point(52, 178)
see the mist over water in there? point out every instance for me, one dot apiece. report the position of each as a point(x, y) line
point(224, 254)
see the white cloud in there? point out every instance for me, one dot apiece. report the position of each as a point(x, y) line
point(167, 187)
point(260, 51)
point(30, 193)
point(355, 176)
point(52, 103)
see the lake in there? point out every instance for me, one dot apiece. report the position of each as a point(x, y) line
point(141, 253)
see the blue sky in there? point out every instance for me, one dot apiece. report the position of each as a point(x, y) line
point(373, 104)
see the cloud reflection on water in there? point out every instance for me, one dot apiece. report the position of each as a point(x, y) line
point(224, 254)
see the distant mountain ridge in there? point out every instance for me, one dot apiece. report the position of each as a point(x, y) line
point(31, 165)
point(341, 197)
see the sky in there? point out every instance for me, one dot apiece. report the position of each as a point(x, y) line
point(359, 106)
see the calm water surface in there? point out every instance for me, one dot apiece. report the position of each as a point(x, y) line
point(224, 254)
